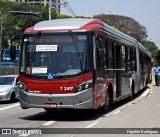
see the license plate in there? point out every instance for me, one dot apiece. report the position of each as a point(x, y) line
point(50, 105)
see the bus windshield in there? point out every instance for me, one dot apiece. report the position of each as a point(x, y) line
point(55, 56)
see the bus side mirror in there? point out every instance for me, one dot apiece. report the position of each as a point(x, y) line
point(13, 47)
point(13, 52)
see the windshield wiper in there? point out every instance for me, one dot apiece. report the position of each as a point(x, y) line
point(77, 50)
point(38, 35)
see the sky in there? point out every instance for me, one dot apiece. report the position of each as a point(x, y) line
point(146, 12)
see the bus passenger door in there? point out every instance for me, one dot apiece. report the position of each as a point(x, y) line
point(100, 84)
point(126, 70)
point(118, 71)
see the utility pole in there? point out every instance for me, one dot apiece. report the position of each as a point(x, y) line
point(50, 7)
point(56, 4)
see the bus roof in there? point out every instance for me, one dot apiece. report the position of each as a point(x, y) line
point(78, 24)
point(142, 48)
point(63, 24)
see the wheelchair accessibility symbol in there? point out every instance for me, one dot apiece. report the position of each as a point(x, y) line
point(50, 75)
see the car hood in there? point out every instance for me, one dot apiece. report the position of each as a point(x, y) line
point(5, 86)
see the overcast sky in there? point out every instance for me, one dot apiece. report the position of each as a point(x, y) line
point(146, 12)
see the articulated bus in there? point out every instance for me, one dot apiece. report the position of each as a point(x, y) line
point(80, 64)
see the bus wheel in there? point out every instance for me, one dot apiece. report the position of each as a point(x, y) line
point(50, 110)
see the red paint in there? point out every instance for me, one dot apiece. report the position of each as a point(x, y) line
point(95, 25)
point(54, 86)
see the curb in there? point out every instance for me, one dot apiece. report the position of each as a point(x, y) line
point(146, 93)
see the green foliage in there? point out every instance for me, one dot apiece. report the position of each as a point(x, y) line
point(16, 26)
point(151, 47)
point(118, 28)
point(60, 16)
point(125, 24)
point(157, 57)
point(81, 17)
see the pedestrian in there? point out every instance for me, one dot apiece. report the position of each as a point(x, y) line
point(156, 73)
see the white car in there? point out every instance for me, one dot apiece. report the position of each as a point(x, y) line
point(9, 88)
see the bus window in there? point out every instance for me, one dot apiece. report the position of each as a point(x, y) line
point(123, 53)
point(100, 51)
point(133, 57)
point(111, 56)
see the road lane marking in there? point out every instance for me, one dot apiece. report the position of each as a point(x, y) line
point(92, 124)
point(11, 106)
point(48, 123)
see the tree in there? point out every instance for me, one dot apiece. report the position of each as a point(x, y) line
point(60, 16)
point(151, 47)
point(16, 25)
point(157, 57)
point(125, 24)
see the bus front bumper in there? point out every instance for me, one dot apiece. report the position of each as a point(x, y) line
point(80, 100)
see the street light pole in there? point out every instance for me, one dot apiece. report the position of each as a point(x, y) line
point(50, 6)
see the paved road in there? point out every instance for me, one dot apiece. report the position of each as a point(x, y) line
point(142, 112)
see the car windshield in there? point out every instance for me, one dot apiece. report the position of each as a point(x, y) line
point(6, 80)
point(49, 56)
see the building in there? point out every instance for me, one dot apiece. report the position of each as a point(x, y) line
point(55, 3)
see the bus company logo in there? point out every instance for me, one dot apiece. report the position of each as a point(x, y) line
point(6, 131)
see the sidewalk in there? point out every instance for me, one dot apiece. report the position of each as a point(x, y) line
point(141, 115)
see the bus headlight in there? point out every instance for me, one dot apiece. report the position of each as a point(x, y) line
point(22, 86)
point(84, 86)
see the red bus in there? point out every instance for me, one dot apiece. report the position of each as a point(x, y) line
point(80, 64)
